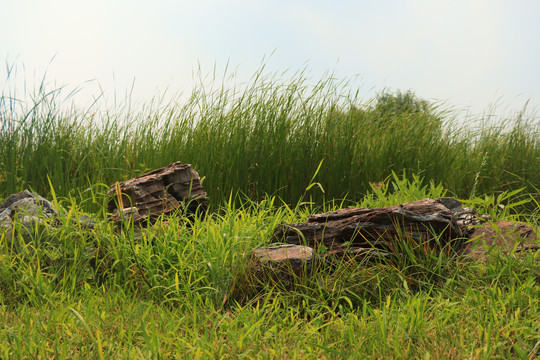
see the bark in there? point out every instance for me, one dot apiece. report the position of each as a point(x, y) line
point(428, 221)
point(161, 191)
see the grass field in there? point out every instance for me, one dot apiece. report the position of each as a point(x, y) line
point(183, 290)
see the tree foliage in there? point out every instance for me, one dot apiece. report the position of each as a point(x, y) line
point(401, 103)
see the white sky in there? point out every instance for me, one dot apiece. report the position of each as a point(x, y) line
point(469, 53)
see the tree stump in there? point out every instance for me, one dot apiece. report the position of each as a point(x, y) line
point(282, 263)
point(161, 191)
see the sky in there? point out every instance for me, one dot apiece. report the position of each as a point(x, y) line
point(479, 55)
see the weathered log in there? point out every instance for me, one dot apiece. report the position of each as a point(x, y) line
point(157, 192)
point(423, 221)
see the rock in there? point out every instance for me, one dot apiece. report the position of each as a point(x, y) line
point(86, 222)
point(161, 191)
point(27, 203)
point(282, 263)
point(503, 236)
point(21, 212)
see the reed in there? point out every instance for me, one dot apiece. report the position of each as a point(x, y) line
point(265, 137)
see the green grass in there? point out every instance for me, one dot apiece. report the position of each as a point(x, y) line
point(266, 137)
point(183, 290)
point(476, 323)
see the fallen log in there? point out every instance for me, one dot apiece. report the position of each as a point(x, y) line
point(428, 221)
point(157, 192)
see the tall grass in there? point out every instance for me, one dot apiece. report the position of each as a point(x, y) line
point(266, 137)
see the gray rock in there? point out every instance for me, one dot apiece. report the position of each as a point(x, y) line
point(23, 212)
point(28, 203)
